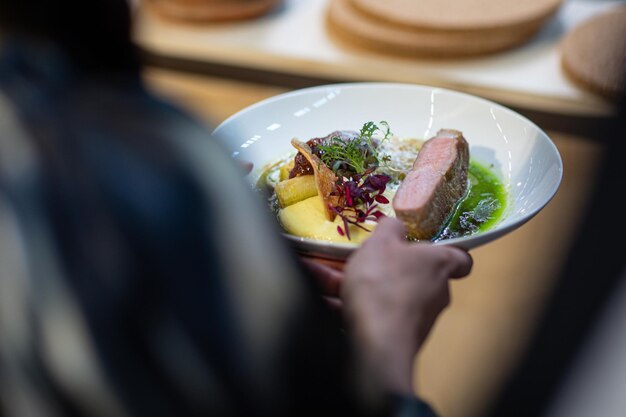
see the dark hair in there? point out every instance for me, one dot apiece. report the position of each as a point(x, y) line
point(95, 33)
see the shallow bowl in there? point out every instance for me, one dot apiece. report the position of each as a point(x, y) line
point(522, 155)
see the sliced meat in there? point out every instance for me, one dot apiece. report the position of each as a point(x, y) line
point(437, 181)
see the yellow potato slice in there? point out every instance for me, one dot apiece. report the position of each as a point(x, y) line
point(286, 169)
point(295, 189)
point(307, 218)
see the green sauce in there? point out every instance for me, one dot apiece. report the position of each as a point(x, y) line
point(480, 209)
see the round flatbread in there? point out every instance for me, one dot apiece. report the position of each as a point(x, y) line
point(459, 14)
point(351, 27)
point(593, 54)
point(212, 10)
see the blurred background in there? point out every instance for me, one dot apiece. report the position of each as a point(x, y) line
point(217, 57)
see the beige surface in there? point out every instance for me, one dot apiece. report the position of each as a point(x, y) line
point(479, 337)
point(212, 99)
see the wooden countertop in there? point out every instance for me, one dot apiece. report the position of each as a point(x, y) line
point(293, 41)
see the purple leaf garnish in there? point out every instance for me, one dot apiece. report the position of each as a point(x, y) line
point(360, 195)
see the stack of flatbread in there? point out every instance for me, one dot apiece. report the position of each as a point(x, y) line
point(212, 10)
point(441, 28)
point(593, 54)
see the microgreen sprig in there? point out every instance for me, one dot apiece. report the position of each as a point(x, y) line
point(355, 155)
point(354, 161)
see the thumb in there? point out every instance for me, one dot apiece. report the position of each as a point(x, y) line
point(461, 262)
point(246, 166)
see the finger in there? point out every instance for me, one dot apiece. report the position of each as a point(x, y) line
point(460, 264)
point(326, 277)
point(335, 264)
point(246, 165)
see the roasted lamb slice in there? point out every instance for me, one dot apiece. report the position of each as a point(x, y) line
point(436, 182)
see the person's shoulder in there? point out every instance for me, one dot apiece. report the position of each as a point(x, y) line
point(134, 118)
point(115, 94)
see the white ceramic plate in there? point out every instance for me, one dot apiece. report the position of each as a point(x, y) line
point(523, 156)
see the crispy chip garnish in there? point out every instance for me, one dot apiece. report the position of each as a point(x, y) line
point(325, 178)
